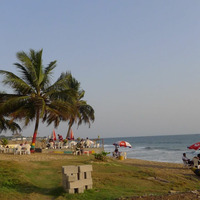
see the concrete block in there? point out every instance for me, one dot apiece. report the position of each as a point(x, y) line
point(85, 168)
point(68, 186)
point(64, 181)
point(69, 169)
point(76, 179)
point(75, 190)
point(64, 184)
point(81, 190)
point(87, 175)
point(88, 187)
point(80, 183)
point(69, 178)
point(72, 178)
point(80, 175)
point(70, 191)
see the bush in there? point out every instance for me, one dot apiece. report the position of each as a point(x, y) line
point(101, 156)
point(4, 141)
point(65, 141)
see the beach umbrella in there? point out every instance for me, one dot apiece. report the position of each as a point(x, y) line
point(195, 146)
point(122, 144)
point(54, 135)
point(71, 135)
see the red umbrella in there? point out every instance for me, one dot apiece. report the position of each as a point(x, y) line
point(54, 135)
point(195, 146)
point(71, 135)
point(122, 144)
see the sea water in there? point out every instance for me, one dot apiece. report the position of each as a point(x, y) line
point(156, 148)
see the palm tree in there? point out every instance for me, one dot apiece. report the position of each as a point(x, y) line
point(33, 97)
point(82, 112)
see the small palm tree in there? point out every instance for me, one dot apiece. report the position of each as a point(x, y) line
point(33, 96)
point(82, 112)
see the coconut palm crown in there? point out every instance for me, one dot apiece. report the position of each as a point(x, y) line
point(33, 96)
point(81, 112)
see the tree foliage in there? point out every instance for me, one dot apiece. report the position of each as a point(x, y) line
point(35, 98)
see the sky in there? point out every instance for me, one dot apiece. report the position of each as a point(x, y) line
point(138, 61)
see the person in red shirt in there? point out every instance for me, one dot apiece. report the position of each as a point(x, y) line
point(60, 137)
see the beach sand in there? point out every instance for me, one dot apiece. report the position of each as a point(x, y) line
point(160, 166)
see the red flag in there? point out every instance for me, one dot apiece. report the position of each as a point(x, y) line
point(54, 135)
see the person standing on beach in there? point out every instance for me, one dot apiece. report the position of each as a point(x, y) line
point(60, 144)
point(87, 143)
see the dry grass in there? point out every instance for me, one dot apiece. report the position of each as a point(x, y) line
point(40, 176)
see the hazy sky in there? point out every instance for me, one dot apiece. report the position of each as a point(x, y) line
point(138, 61)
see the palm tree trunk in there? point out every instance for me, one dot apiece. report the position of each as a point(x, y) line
point(68, 132)
point(35, 131)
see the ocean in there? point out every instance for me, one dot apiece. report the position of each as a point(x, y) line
point(156, 148)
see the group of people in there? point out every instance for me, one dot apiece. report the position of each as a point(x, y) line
point(82, 144)
point(60, 143)
point(188, 161)
point(55, 145)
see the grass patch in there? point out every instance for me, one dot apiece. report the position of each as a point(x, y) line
point(111, 179)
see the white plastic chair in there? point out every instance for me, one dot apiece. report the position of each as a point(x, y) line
point(2, 150)
point(65, 147)
point(18, 150)
point(27, 148)
point(51, 145)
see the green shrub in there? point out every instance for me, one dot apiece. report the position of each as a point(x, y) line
point(101, 156)
point(4, 141)
point(65, 141)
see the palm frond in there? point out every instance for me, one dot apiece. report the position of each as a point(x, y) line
point(26, 74)
point(16, 83)
point(6, 124)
